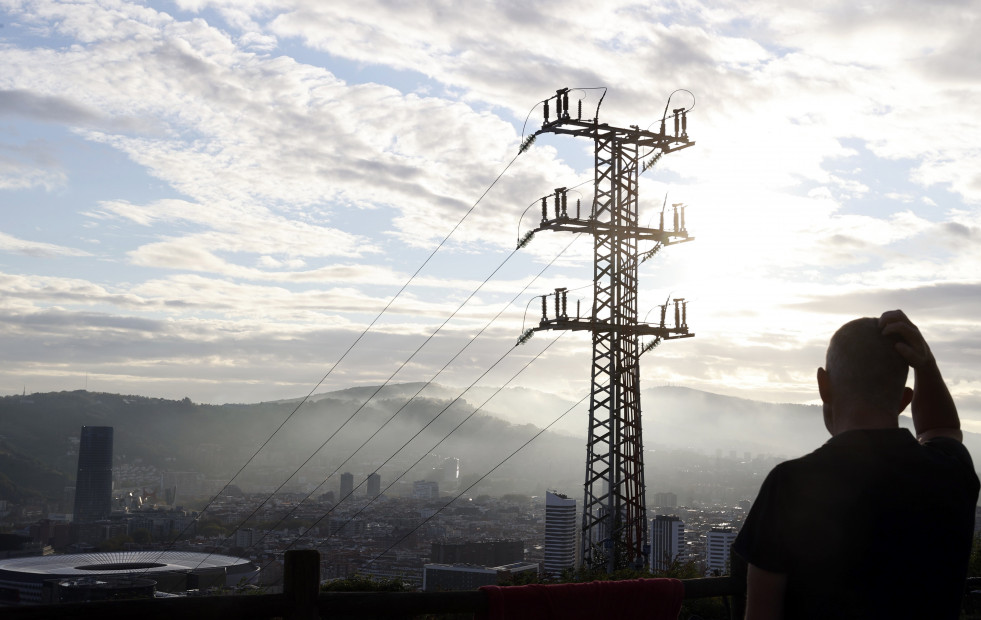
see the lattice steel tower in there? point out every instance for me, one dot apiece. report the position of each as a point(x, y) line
point(614, 524)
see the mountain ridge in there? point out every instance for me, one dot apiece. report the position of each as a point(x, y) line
point(217, 439)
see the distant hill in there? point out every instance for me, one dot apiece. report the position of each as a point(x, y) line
point(217, 440)
point(24, 479)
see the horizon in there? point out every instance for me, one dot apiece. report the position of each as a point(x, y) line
point(504, 408)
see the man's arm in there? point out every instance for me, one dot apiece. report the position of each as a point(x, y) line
point(764, 594)
point(933, 409)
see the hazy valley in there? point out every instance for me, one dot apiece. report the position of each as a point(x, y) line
point(702, 446)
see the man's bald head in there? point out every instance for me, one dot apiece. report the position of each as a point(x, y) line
point(863, 365)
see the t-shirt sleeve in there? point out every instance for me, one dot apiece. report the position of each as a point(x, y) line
point(955, 454)
point(951, 448)
point(761, 539)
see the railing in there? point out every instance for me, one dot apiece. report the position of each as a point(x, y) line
point(302, 600)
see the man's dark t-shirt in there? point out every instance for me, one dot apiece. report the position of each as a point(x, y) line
point(870, 525)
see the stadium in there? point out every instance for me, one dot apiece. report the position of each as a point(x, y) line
point(35, 579)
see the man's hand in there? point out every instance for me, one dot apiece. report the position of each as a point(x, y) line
point(934, 412)
point(913, 346)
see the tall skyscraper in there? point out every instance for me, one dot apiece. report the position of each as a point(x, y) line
point(667, 541)
point(347, 485)
point(717, 546)
point(93, 486)
point(374, 485)
point(560, 533)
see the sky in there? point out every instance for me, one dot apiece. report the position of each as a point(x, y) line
point(216, 199)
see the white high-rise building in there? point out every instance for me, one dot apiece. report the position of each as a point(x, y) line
point(560, 533)
point(667, 541)
point(717, 545)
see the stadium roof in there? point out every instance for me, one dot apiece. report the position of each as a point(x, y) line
point(122, 563)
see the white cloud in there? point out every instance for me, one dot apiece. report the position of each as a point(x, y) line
point(14, 245)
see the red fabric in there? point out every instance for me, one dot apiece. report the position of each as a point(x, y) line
point(632, 599)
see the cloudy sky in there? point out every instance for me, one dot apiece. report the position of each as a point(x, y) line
point(214, 199)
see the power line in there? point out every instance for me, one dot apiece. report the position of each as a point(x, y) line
point(479, 480)
point(437, 444)
point(255, 511)
point(380, 387)
point(445, 437)
point(347, 351)
point(427, 384)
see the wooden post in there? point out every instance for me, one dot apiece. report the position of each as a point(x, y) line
point(301, 583)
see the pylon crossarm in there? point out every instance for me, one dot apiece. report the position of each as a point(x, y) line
point(640, 329)
point(632, 135)
point(566, 224)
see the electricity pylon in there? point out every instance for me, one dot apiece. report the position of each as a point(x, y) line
point(614, 523)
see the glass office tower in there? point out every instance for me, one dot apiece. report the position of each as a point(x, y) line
point(93, 487)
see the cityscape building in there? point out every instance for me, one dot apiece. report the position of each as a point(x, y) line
point(347, 485)
point(244, 537)
point(482, 553)
point(667, 541)
point(345, 526)
point(163, 524)
point(425, 489)
point(180, 486)
point(448, 471)
point(560, 533)
point(93, 485)
point(438, 577)
point(373, 485)
point(717, 547)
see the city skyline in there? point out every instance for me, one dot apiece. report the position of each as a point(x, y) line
point(213, 200)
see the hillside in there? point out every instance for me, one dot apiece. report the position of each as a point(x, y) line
point(414, 436)
point(24, 479)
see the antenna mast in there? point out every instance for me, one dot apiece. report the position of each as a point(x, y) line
point(614, 520)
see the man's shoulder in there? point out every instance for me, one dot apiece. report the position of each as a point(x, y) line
point(890, 449)
point(841, 455)
point(829, 453)
point(951, 451)
point(946, 445)
point(791, 473)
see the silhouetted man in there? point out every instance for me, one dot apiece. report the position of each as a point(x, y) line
point(875, 523)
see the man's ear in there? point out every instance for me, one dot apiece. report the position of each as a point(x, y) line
point(824, 385)
point(907, 399)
